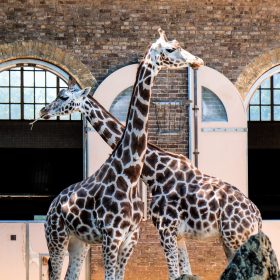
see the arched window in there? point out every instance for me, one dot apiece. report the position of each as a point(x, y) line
point(120, 105)
point(265, 103)
point(213, 110)
point(264, 143)
point(27, 87)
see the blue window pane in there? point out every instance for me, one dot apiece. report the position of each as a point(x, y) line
point(4, 111)
point(28, 78)
point(213, 109)
point(39, 95)
point(4, 95)
point(120, 106)
point(265, 113)
point(265, 96)
point(40, 80)
point(76, 116)
point(256, 98)
point(15, 112)
point(51, 94)
point(276, 96)
point(15, 95)
point(28, 112)
point(28, 95)
point(276, 80)
point(277, 113)
point(4, 78)
point(254, 113)
point(266, 83)
point(15, 78)
point(65, 117)
point(38, 107)
point(51, 80)
point(62, 84)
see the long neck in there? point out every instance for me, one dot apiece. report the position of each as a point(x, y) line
point(106, 125)
point(134, 140)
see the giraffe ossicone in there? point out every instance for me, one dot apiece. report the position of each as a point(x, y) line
point(105, 207)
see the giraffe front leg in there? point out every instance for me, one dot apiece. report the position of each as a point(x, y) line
point(77, 252)
point(125, 252)
point(184, 262)
point(110, 248)
point(168, 240)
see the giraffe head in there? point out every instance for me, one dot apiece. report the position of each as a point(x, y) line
point(169, 54)
point(67, 101)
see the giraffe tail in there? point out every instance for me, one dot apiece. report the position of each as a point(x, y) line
point(49, 268)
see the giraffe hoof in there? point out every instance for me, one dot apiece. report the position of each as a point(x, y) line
point(188, 277)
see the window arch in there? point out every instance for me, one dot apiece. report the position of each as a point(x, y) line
point(28, 85)
point(265, 102)
point(213, 110)
point(120, 105)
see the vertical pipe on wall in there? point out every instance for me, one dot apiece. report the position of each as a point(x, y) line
point(85, 149)
point(190, 88)
point(195, 113)
point(85, 175)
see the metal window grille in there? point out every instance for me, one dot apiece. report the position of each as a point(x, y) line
point(25, 89)
point(170, 116)
point(265, 104)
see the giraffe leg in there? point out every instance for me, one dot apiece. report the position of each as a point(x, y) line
point(77, 252)
point(184, 262)
point(57, 253)
point(229, 253)
point(110, 247)
point(169, 242)
point(125, 252)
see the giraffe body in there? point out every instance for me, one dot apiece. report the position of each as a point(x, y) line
point(106, 208)
point(185, 202)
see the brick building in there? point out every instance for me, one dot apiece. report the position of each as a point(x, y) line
point(92, 40)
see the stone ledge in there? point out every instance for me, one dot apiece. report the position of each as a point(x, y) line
point(49, 53)
point(255, 69)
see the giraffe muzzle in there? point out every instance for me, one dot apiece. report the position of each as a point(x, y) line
point(44, 114)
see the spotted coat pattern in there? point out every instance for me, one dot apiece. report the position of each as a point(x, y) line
point(106, 207)
point(184, 200)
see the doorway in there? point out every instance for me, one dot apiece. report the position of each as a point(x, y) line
point(36, 165)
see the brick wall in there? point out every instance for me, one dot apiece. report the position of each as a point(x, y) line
point(106, 35)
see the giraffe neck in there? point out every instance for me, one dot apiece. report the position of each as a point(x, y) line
point(134, 139)
point(106, 125)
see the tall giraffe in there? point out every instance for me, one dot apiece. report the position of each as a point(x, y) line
point(185, 201)
point(105, 207)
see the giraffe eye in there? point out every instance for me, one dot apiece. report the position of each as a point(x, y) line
point(64, 98)
point(170, 50)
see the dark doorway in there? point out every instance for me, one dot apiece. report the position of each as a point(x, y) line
point(36, 165)
point(264, 172)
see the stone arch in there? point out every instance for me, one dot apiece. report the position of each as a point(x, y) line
point(49, 53)
point(256, 69)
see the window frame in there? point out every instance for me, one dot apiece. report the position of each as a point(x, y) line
point(35, 66)
point(272, 105)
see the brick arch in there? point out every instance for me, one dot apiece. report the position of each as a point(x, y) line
point(49, 53)
point(255, 70)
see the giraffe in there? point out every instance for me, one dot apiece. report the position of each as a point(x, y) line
point(185, 201)
point(105, 207)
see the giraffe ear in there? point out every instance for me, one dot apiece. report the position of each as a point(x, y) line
point(162, 35)
point(81, 93)
point(85, 91)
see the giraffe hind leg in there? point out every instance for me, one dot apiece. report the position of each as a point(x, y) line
point(125, 251)
point(229, 252)
point(77, 252)
point(184, 262)
point(55, 262)
point(168, 240)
